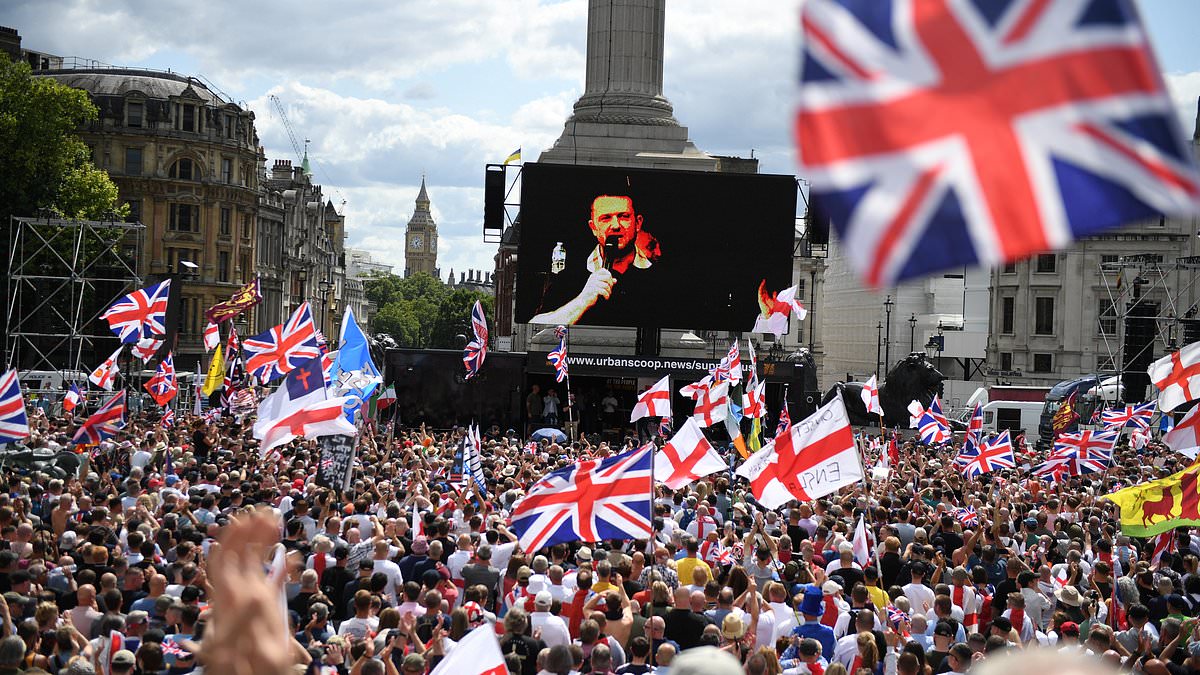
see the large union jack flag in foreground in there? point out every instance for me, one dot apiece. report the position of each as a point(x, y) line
point(1085, 452)
point(14, 425)
point(938, 134)
point(476, 350)
point(590, 501)
point(276, 352)
point(141, 314)
point(994, 454)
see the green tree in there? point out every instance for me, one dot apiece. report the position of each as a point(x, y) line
point(454, 317)
point(422, 312)
point(43, 163)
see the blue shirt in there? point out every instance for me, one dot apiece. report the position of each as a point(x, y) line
point(819, 632)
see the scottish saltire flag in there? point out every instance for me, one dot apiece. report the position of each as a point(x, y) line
point(558, 358)
point(476, 350)
point(14, 424)
point(943, 134)
point(1129, 416)
point(994, 454)
point(593, 500)
point(933, 425)
point(277, 351)
point(353, 368)
point(141, 314)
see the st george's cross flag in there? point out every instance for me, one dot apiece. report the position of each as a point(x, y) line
point(477, 653)
point(476, 350)
point(212, 336)
point(146, 348)
point(140, 314)
point(105, 374)
point(276, 352)
point(1185, 437)
point(300, 407)
point(943, 134)
point(775, 308)
point(687, 457)
point(592, 500)
point(14, 424)
point(864, 542)
point(754, 401)
point(870, 396)
point(814, 457)
point(654, 402)
point(1177, 377)
point(712, 405)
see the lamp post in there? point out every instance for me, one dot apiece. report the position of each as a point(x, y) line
point(941, 343)
point(324, 286)
point(878, 344)
point(887, 342)
point(912, 333)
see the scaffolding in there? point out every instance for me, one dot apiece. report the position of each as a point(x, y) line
point(1131, 299)
point(63, 274)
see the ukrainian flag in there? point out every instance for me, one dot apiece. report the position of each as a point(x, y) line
point(514, 157)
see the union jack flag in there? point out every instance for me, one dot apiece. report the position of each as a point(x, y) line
point(942, 134)
point(967, 516)
point(14, 424)
point(730, 367)
point(975, 426)
point(558, 359)
point(664, 426)
point(211, 415)
point(994, 454)
point(476, 350)
point(1131, 416)
point(1086, 451)
point(594, 500)
point(278, 351)
point(896, 616)
point(103, 423)
point(141, 314)
point(162, 386)
point(933, 425)
point(168, 419)
point(785, 420)
point(172, 648)
point(1053, 469)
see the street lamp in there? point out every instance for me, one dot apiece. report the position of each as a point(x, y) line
point(912, 333)
point(878, 344)
point(324, 286)
point(887, 343)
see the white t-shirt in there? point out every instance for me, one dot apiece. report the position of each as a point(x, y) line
point(395, 579)
point(920, 597)
point(554, 629)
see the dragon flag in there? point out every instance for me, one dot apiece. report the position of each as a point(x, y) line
point(1160, 505)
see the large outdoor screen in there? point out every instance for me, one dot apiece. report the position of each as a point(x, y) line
point(605, 246)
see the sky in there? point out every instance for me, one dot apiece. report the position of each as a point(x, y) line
point(390, 90)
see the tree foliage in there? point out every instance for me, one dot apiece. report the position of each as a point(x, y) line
point(421, 312)
point(43, 163)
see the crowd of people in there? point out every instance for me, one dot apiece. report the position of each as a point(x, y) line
point(220, 561)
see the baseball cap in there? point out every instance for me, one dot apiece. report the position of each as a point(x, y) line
point(123, 658)
point(543, 599)
point(1069, 628)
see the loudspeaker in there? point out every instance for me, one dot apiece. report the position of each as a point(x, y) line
point(817, 222)
point(1141, 328)
point(493, 197)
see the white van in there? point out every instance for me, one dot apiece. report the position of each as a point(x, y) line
point(1016, 416)
point(57, 381)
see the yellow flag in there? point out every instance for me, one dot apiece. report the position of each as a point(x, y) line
point(515, 156)
point(1159, 505)
point(755, 441)
point(216, 373)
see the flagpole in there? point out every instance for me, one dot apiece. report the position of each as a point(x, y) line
point(571, 408)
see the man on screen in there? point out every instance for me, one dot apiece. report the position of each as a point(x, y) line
point(623, 255)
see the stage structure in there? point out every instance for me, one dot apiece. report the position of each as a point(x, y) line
point(63, 274)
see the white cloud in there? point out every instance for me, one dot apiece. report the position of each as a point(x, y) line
point(1185, 90)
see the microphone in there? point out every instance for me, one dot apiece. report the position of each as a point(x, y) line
point(610, 251)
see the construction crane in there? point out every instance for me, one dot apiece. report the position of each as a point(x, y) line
point(288, 127)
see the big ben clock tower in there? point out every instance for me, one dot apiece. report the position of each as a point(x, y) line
point(420, 239)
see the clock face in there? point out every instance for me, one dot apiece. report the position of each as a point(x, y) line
point(416, 242)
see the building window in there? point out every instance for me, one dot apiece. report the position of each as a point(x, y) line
point(135, 211)
point(133, 161)
point(1043, 323)
point(1009, 268)
point(226, 171)
point(1109, 259)
point(244, 262)
point(799, 287)
point(133, 114)
point(223, 266)
point(175, 255)
point(247, 229)
point(184, 218)
point(230, 123)
point(1007, 315)
point(1107, 317)
point(182, 169)
point(1042, 363)
point(1005, 360)
point(225, 226)
point(1046, 263)
point(187, 118)
point(1106, 364)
